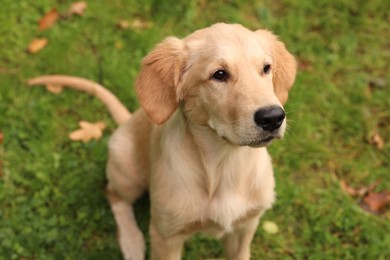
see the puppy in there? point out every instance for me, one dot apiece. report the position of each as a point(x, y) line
point(211, 103)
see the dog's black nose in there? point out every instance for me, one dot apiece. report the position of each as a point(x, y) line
point(270, 118)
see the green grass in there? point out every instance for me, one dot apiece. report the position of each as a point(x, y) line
point(52, 203)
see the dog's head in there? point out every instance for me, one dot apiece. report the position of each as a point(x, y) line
point(226, 77)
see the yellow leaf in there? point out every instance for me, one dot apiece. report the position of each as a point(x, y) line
point(88, 131)
point(36, 45)
point(270, 227)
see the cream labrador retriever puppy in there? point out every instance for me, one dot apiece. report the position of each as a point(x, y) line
point(211, 102)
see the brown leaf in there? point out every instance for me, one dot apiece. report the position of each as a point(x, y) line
point(36, 45)
point(376, 202)
point(55, 89)
point(139, 24)
point(123, 24)
point(77, 8)
point(1, 137)
point(361, 191)
point(48, 20)
point(377, 141)
point(88, 131)
point(348, 189)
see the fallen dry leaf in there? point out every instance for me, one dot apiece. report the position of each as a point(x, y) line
point(373, 202)
point(77, 8)
point(139, 24)
point(361, 191)
point(36, 45)
point(348, 189)
point(55, 89)
point(377, 141)
point(123, 24)
point(48, 20)
point(88, 131)
point(270, 227)
point(376, 202)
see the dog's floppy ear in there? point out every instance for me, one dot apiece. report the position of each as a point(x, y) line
point(157, 85)
point(284, 65)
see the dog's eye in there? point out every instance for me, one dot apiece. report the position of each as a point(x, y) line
point(266, 68)
point(220, 75)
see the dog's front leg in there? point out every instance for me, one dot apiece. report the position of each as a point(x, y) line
point(237, 243)
point(131, 240)
point(165, 247)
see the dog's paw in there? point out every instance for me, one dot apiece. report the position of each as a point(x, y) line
point(132, 246)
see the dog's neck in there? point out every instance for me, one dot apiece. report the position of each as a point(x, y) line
point(225, 165)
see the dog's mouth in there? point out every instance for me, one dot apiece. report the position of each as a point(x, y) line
point(255, 143)
point(251, 139)
point(262, 142)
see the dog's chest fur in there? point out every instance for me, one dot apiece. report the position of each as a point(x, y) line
point(213, 191)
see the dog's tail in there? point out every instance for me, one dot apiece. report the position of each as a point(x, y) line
point(117, 110)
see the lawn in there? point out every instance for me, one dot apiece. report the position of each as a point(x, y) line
point(52, 203)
